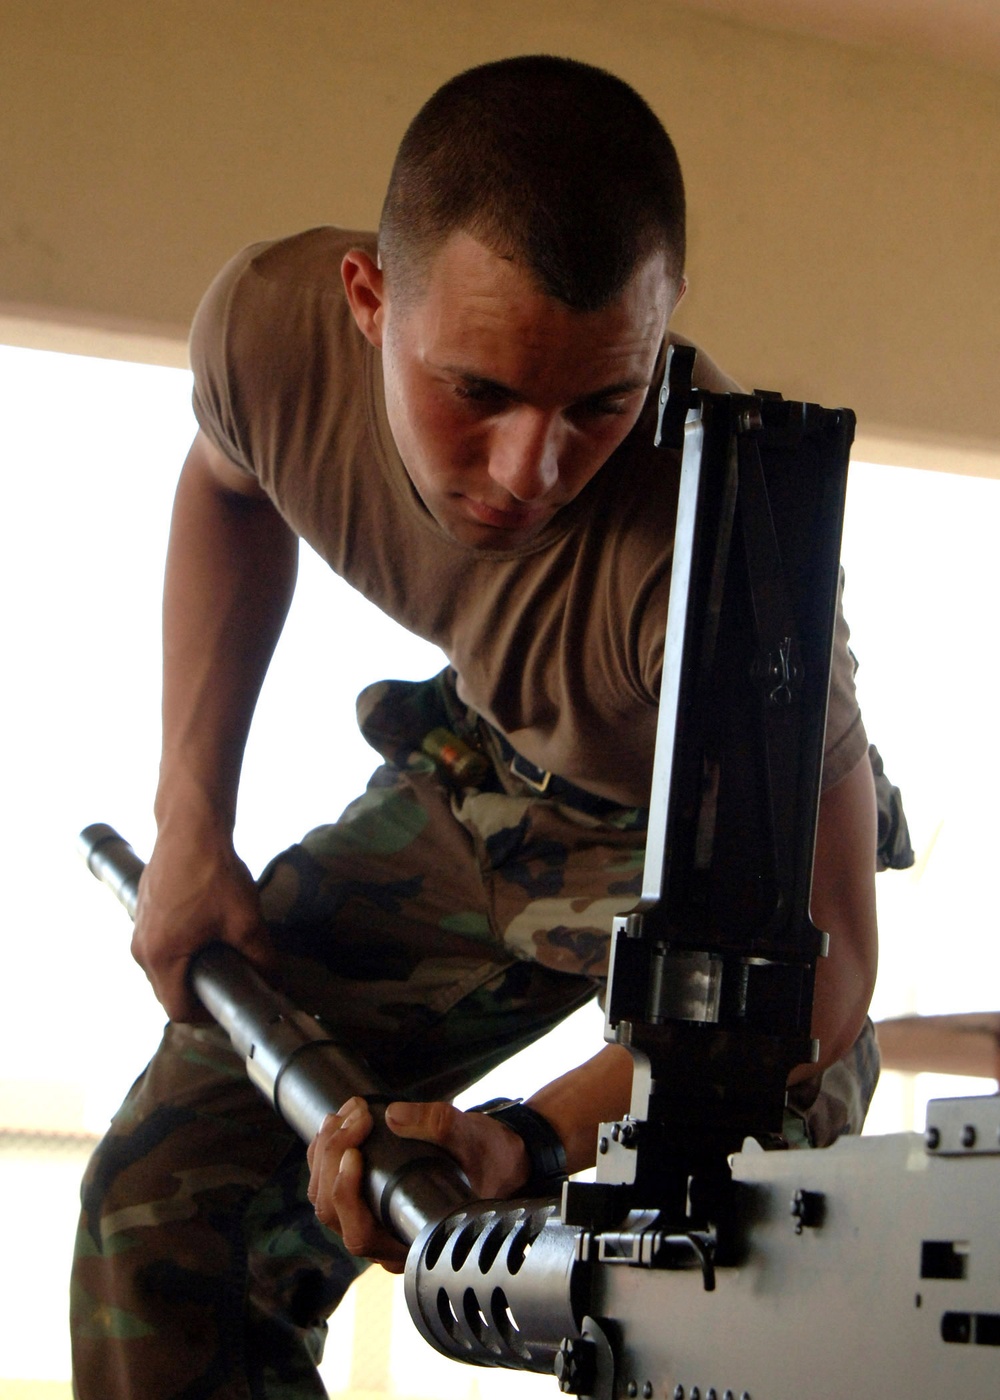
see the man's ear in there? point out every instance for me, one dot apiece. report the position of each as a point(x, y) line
point(682, 287)
point(364, 285)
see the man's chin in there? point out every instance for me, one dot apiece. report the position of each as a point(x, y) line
point(481, 527)
point(486, 537)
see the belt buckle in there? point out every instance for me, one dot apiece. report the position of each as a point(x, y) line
point(538, 784)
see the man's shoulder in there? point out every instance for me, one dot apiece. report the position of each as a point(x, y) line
point(308, 259)
point(276, 290)
point(305, 263)
point(273, 344)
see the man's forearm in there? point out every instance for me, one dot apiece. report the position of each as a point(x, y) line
point(230, 575)
point(843, 905)
point(598, 1091)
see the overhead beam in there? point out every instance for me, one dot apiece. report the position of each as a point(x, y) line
point(844, 238)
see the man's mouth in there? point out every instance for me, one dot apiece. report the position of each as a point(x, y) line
point(519, 518)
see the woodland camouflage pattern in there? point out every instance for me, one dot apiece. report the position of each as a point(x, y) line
point(439, 930)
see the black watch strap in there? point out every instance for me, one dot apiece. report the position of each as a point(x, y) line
point(546, 1153)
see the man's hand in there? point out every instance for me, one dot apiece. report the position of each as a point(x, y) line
point(191, 894)
point(492, 1156)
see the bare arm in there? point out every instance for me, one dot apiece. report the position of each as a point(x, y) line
point(230, 575)
point(843, 905)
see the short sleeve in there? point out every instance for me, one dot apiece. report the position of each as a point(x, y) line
point(215, 402)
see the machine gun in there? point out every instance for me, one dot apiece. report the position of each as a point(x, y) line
point(698, 1266)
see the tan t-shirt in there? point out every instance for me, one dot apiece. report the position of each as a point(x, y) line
point(558, 643)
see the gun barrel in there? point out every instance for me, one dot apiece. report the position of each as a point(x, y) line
point(111, 858)
point(294, 1061)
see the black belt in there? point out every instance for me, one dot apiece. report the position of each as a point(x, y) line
point(548, 784)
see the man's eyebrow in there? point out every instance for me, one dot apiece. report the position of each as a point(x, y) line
point(611, 391)
point(606, 391)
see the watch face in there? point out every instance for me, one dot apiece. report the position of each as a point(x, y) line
point(494, 1106)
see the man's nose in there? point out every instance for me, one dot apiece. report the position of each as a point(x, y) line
point(524, 453)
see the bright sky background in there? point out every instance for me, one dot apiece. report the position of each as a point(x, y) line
point(90, 452)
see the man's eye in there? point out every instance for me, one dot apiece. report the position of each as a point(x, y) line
point(602, 408)
point(482, 394)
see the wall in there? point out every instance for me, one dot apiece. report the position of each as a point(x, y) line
point(844, 201)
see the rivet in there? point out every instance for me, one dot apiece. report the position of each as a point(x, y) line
point(632, 1389)
point(932, 1139)
point(969, 1135)
point(602, 1146)
point(647, 1391)
point(678, 1392)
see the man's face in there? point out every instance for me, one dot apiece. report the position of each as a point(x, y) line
point(503, 402)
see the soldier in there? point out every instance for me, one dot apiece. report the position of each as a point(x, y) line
point(459, 417)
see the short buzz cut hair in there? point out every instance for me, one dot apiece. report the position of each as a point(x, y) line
point(555, 164)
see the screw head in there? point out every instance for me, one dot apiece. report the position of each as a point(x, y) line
point(932, 1139)
point(969, 1135)
point(575, 1366)
point(807, 1209)
point(647, 1391)
point(603, 1145)
point(632, 1389)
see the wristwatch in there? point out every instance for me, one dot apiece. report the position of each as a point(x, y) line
point(546, 1154)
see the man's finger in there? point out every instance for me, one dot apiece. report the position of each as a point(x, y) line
point(337, 1132)
point(492, 1155)
point(362, 1234)
point(323, 1156)
point(429, 1122)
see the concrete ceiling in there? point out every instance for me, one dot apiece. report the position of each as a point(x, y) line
point(962, 32)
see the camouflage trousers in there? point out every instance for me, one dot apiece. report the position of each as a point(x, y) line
point(439, 930)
